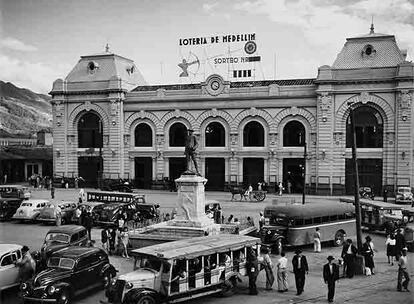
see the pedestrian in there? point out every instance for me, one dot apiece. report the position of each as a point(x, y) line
point(300, 268)
point(268, 267)
point(125, 241)
point(121, 221)
point(282, 275)
point(77, 214)
point(250, 222)
point(52, 192)
point(289, 186)
point(280, 188)
point(217, 215)
point(348, 254)
point(390, 243)
point(399, 242)
point(230, 219)
point(76, 182)
point(112, 240)
point(27, 265)
point(402, 271)
point(81, 196)
point(248, 193)
point(88, 223)
point(317, 240)
point(368, 253)
point(330, 276)
point(236, 221)
point(167, 217)
point(5, 178)
point(261, 221)
point(104, 239)
point(259, 186)
point(252, 269)
point(385, 194)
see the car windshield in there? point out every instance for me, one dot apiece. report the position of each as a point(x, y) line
point(404, 190)
point(57, 237)
point(49, 205)
point(148, 263)
point(26, 204)
point(279, 220)
point(65, 263)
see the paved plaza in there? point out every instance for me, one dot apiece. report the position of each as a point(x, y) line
point(379, 288)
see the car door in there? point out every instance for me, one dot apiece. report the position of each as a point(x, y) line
point(9, 272)
point(87, 270)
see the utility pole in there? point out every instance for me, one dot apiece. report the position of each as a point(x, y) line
point(356, 179)
point(305, 154)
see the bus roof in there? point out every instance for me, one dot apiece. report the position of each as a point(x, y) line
point(375, 204)
point(309, 210)
point(194, 247)
point(115, 193)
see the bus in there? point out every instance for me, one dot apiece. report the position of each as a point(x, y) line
point(295, 224)
point(184, 269)
point(114, 197)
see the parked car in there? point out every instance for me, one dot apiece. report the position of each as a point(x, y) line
point(29, 210)
point(9, 272)
point(8, 207)
point(366, 192)
point(61, 237)
point(89, 206)
point(70, 271)
point(116, 185)
point(403, 195)
point(15, 191)
point(57, 212)
point(107, 214)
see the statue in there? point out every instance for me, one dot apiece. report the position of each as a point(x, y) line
point(191, 146)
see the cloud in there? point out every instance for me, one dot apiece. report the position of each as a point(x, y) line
point(326, 23)
point(209, 7)
point(16, 45)
point(37, 77)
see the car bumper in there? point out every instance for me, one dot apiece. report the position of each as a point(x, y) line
point(40, 300)
point(22, 217)
point(46, 220)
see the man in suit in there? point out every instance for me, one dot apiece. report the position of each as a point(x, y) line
point(349, 252)
point(330, 275)
point(300, 267)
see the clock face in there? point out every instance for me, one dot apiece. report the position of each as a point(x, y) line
point(215, 85)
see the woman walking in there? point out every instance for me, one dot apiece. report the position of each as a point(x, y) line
point(390, 243)
point(125, 241)
point(368, 253)
point(268, 265)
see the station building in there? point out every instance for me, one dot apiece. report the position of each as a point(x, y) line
point(107, 123)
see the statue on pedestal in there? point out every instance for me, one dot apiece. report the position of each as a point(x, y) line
point(191, 146)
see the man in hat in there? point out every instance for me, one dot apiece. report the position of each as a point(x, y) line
point(330, 275)
point(349, 252)
point(300, 267)
point(191, 146)
point(402, 271)
point(252, 269)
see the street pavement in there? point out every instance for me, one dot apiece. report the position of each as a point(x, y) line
point(379, 288)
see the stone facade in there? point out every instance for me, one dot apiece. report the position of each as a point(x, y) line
point(370, 71)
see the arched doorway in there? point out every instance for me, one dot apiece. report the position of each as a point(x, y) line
point(253, 134)
point(143, 135)
point(369, 131)
point(177, 135)
point(90, 136)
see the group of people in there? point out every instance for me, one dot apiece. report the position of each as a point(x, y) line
point(115, 240)
point(397, 250)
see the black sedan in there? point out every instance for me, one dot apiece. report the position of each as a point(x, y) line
point(70, 272)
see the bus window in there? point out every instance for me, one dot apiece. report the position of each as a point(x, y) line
point(179, 272)
point(194, 267)
point(333, 217)
point(308, 221)
point(298, 222)
point(325, 219)
point(317, 220)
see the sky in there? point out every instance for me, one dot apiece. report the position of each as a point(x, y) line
point(42, 40)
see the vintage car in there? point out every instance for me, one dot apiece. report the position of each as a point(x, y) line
point(403, 195)
point(29, 210)
point(88, 206)
point(59, 213)
point(14, 191)
point(8, 207)
point(185, 269)
point(70, 271)
point(61, 237)
point(9, 272)
point(107, 214)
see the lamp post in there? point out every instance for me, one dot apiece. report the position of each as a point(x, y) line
point(356, 179)
point(305, 154)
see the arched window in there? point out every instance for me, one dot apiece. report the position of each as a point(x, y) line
point(293, 134)
point(143, 135)
point(368, 128)
point(90, 131)
point(253, 135)
point(215, 135)
point(178, 134)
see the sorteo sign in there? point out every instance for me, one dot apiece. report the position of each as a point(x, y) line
point(217, 39)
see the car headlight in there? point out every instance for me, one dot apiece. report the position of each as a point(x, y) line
point(51, 290)
point(129, 285)
point(113, 281)
point(23, 286)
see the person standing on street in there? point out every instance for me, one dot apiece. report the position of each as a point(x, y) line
point(330, 276)
point(268, 267)
point(52, 192)
point(282, 282)
point(317, 240)
point(104, 239)
point(390, 243)
point(399, 242)
point(280, 185)
point(300, 268)
point(349, 252)
point(112, 240)
point(252, 270)
point(27, 265)
point(88, 223)
point(368, 253)
point(125, 241)
point(261, 221)
point(402, 271)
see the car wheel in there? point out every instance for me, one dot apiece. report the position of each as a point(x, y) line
point(145, 299)
point(107, 279)
point(339, 238)
point(63, 297)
